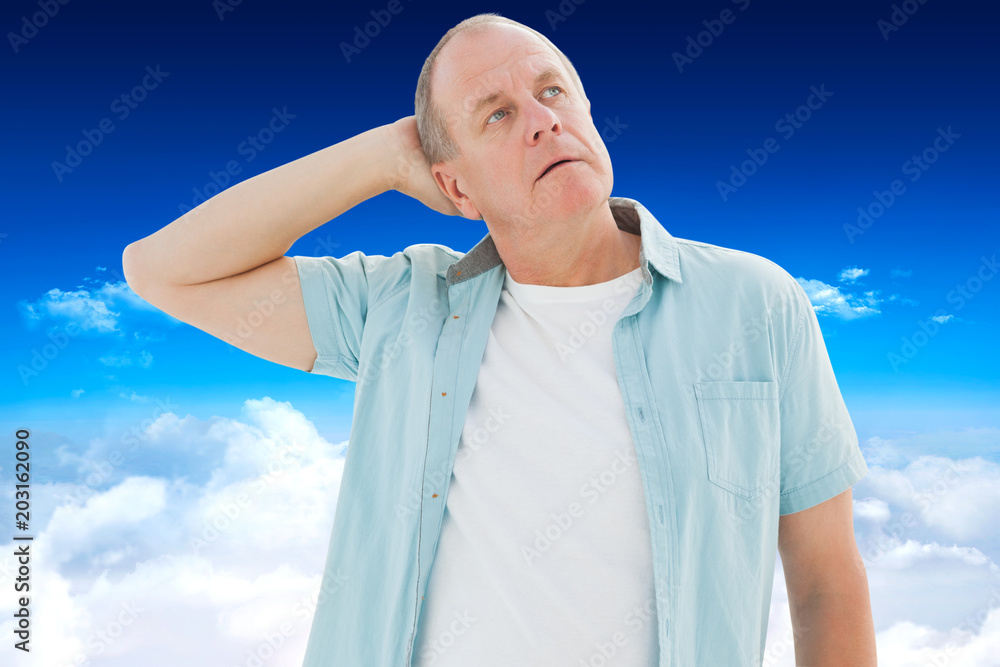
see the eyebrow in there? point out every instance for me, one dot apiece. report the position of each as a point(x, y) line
point(550, 73)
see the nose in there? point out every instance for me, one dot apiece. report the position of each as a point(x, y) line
point(540, 119)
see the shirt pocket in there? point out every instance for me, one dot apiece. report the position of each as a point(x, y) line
point(741, 432)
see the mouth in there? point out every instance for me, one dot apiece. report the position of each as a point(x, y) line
point(553, 166)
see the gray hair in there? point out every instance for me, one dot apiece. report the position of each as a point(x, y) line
point(432, 124)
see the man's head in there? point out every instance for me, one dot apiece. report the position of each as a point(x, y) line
point(488, 155)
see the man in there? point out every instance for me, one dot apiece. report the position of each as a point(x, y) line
point(583, 441)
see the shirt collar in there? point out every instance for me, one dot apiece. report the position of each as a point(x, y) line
point(658, 247)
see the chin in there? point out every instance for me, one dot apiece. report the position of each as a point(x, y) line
point(573, 198)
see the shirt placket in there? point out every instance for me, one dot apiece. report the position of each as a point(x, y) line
point(650, 447)
point(456, 368)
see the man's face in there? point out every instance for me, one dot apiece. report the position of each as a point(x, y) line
point(507, 143)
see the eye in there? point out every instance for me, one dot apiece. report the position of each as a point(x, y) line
point(488, 121)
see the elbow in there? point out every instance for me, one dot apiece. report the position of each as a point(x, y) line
point(131, 267)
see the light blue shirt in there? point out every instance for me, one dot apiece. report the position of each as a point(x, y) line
point(735, 414)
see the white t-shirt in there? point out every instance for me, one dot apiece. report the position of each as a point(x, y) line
point(544, 556)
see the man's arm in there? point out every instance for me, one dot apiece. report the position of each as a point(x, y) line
point(827, 586)
point(215, 265)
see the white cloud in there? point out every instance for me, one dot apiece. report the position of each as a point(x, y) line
point(96, 308)
point(871, 509)
point(77, 393)
point(927, 534)
point(144, 359)
point(88, 311)
point(941, 319)
point(969, 643)
point(901, 450)
point(842, 303)
point(203, 570)
point(910, 645)
point(949, 500)
point(115, 510)
point(851, 274)
point(829, 300)
point(903, 300)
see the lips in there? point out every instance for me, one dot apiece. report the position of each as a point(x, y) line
point(554, 164)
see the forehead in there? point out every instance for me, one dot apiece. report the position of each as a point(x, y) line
point(476, 64)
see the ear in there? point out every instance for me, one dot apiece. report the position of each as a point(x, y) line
point(446, 178)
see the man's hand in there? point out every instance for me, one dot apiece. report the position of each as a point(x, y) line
point(411, 173)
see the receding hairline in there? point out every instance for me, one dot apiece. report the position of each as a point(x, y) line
point(492, 96)
point(433, 121)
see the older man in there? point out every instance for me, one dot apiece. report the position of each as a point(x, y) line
point(583, 441)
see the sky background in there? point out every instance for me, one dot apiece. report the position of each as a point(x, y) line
point(144, 429)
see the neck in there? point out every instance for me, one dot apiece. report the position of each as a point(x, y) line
point(581, 251)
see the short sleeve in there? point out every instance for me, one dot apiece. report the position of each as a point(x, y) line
point(820, 455)
point(336, 293)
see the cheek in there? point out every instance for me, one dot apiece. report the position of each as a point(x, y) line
point(502, 171)
point(597, 139)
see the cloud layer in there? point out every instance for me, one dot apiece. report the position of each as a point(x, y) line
point(203, 541)
point(213, 561)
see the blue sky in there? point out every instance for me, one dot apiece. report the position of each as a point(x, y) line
point(840, 111)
